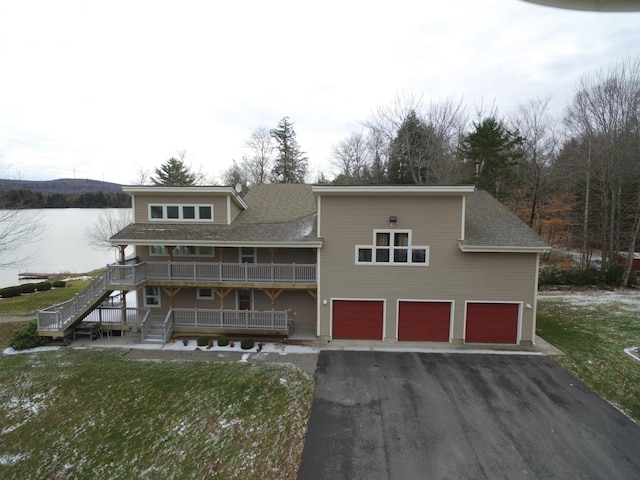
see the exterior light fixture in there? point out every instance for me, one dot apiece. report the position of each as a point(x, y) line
point(393, 220)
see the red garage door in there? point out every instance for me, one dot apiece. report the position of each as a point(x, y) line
point(358, 319)
point(492, 323)
point(424, 321)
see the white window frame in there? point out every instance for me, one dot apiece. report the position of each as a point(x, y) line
point(253, 255)
point(156, 294)
point(181, 207)
point(391, 248)
point(179, 251)
point(205, 297)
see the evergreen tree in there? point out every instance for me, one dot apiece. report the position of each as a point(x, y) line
point(290, 164)
point(174, 173)
point(494, 152)
point(410, 153)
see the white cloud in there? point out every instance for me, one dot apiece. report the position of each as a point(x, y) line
point(96, 90)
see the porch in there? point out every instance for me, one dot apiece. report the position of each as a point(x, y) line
point(209, 273)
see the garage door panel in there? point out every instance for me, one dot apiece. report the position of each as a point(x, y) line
point(492, 323)
point(424, 321)
point(358, 319)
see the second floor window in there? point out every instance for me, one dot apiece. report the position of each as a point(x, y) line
point(201, 213)
point(392, 247)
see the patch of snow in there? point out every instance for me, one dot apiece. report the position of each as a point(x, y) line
point(633, 352)
point(628, 298)
point(192, 345)
point(11, 351)
point(10, 459)
point(245, 357)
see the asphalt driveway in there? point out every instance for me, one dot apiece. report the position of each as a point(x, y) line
point(388, 415)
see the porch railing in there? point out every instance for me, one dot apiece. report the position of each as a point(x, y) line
point(61, 315)
point(131, 275)
point(118, 316)
point(239, 319)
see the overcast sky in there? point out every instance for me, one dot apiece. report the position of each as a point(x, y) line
point(103, 89)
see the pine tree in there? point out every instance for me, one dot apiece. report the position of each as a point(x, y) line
point(290, 164)
point(495, 151)
point(174, 173)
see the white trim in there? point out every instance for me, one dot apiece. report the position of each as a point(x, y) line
point(391, 248)
point(212, 297)
point(426, 300)
point(358, 299)
point(319, 294)
point(228, 211)
point(534, 319)
point(501, 248)
point(201, 190)
point(392, 189)
point(180, 206)
point(318, 217)
point(463, 220)
point(144, 297)
point(510, 302)
point(233, 243)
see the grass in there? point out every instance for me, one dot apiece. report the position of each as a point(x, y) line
point(594, 338)
point(26, 305)
point(93, 414)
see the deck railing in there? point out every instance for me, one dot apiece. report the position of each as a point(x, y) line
point(238, 319)
point(118, 315)
point(131, 275)
point(61, 315)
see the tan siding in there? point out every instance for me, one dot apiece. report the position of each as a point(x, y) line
point(219, 202)
point(451, 275)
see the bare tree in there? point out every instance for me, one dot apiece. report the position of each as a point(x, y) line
point(17, 228)
point(257, 165)
point(110, 222)
point(352, 157)
point(539, 148)
point(605, 113)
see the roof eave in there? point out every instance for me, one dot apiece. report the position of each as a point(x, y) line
point(146, 190)
point(396, 190)
point(502, 248)
point(226, 243)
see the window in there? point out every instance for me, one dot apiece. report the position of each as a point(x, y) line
point(151, 297)
point(184, 250)
point(205, 294)
point(181, 212)
point(392, 247)
point(247, 255)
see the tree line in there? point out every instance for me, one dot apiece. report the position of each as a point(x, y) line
point(21, 199)
point(574, 178)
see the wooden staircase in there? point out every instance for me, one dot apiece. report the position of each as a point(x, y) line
point(59, 320)
point(153, 331)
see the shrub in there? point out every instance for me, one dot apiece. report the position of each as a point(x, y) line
point(26, 337)
point(43, 286)
point(246, 343)
point(223, 341)
point(9, 292)
point(28, 287)
point(59, 284)
point(203, 341)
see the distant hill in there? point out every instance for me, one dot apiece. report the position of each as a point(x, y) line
point(65, 186)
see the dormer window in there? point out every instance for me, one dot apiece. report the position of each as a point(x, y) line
point(194, 213)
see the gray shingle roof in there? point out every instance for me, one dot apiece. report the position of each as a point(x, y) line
point(277, 213)
point(488, 223)
point(286, 213)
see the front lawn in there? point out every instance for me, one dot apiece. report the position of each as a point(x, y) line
point(593, 329)
point(93, 414)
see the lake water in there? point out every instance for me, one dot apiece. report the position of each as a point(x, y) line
point(62, 247)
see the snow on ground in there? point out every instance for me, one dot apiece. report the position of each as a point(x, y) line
point(11, 351)
point(626, 297)
point(279, 348)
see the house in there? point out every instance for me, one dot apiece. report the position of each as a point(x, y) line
point(390, 263)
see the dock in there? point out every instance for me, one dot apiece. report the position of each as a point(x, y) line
point(34, 276)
